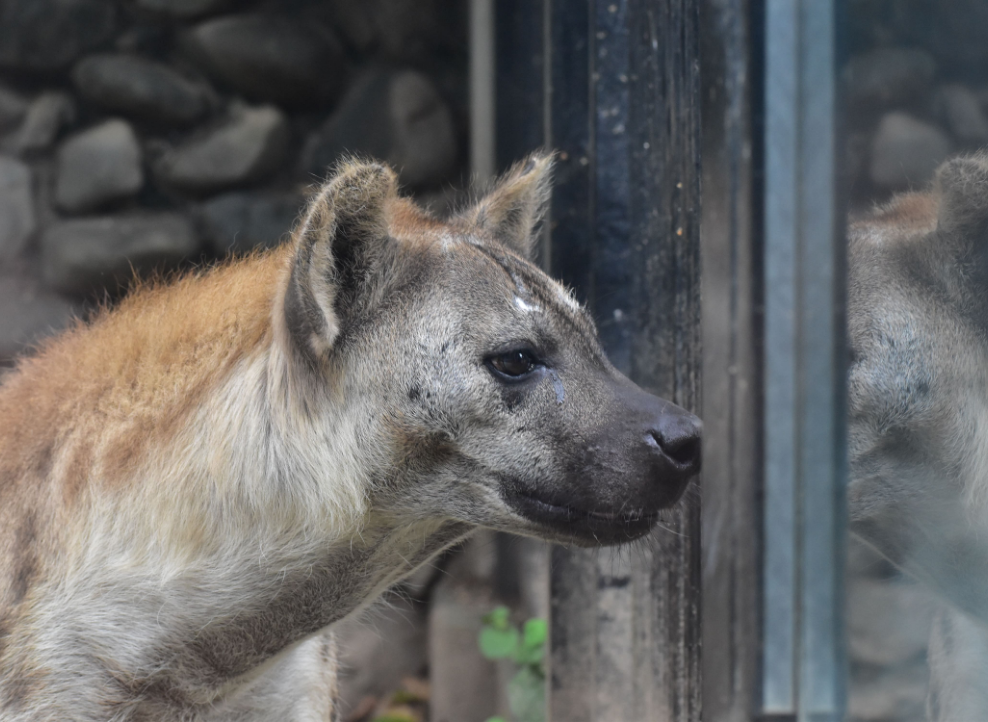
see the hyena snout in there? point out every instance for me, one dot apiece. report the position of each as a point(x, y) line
point(646, 456)
point(666, 449)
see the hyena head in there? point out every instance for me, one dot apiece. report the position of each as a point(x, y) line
point(476, 386)
point(918, 387)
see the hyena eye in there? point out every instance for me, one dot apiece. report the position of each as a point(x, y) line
point(513, 364)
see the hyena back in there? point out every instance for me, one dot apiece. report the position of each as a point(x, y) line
point(197, 484)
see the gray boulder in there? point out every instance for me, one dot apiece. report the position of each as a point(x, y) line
point(90, 254)
point(239, 222)
point(183, 8)
point(905, 151)
point(50, 34)
point(248, 146)
point(97, 166)
point(13, 108)
point(888, 621)
point(961, 112)
point(141, 88)
point(17, 217)
point(888, 77)
point(270, 58)
point(887, 695)
point(44, 120)
point(30, 312)
point(400, 30)
point(958, 37)
point(397, 116)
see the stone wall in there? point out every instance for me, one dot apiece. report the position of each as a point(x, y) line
point(916, 91)
point(141, 135)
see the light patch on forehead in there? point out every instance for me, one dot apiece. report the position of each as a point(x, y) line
point(525, 306)
point(447, 241)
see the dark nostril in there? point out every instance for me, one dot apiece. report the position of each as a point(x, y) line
point(679, 446)
point(685, 451)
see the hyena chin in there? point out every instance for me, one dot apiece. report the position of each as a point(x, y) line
point(197, 484)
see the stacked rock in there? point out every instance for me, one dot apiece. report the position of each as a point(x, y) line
point(915, 92)
point(140, 135)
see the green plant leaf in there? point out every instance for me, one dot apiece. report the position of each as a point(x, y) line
point(532, 647)
point(497, 719)
point(535, 633)
point(499, 618)
point(526, 695)
point(497, 643)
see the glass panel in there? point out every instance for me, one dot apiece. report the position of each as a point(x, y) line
point(916, 95)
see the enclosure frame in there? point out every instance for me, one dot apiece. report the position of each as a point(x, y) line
point(616, 88)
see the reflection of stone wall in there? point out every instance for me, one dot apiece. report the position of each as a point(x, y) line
point(888, 619)
point(916, 85)
point(916, 91)
point(148, 134)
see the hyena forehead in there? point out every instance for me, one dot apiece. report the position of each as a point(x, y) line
point(524, 296)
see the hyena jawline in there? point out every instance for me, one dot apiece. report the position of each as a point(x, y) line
point(196, 485)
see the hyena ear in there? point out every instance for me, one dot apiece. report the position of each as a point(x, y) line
point(963, 186)
point(515, 205)
point(342, 248)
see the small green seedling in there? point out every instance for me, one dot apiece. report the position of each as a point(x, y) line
point(500, 639)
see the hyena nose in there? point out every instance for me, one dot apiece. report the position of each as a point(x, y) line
point(677, 438)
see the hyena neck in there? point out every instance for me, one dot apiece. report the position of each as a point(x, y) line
point(232, 528)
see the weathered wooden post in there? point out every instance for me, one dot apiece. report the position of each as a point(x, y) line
point(625, 232)
point(732, 364)
point(618, 92)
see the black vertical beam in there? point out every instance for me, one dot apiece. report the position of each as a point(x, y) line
point(519, 37)
point(731, 244)
point(621, 112)
point(666, 351)
point(569, 131)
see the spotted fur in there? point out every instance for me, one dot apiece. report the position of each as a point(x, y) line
point(197, 484)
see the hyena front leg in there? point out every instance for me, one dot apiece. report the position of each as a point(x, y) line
point(298, 686)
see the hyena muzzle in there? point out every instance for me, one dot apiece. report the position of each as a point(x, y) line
point(918, 411)
point(196, 485)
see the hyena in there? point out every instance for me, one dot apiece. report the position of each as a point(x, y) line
point(918, 411)
point(197, 484)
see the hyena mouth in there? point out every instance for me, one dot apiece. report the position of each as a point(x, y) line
point(582, 525)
